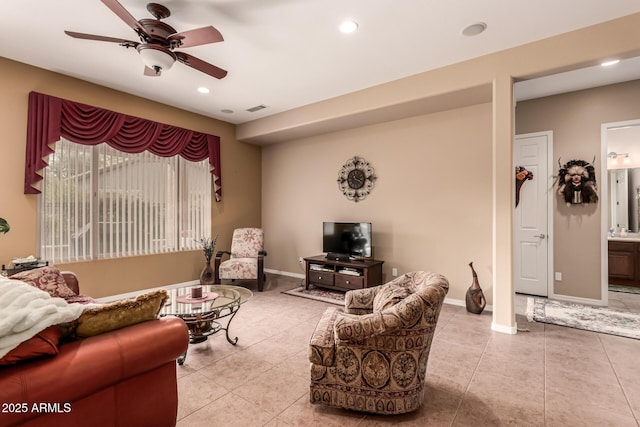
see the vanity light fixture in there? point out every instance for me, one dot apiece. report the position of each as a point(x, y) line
point(614, 158)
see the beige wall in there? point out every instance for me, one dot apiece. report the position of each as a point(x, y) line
point(241, 170)
point(585, 47)
point(575, 119)
point(430, 208)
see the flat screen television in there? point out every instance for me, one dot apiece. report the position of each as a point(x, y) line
point(347, 239)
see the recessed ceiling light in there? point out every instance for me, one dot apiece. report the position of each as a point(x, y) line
point(474, 29)
point(227, 111)
point(610, 63)
point(203, 89)
point(348, 26)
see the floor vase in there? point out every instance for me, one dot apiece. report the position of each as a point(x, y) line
point(207, 277)
point(474, 299)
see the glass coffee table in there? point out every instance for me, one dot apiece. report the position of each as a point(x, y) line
point(203, 315)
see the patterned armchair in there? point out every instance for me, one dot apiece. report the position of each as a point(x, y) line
point(372, 357)
point(246, 257)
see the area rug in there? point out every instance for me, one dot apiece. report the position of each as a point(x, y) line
point(318, 294)
point(624, 289)
point(596, 319)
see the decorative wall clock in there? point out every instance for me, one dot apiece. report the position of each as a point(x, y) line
point(356, 178)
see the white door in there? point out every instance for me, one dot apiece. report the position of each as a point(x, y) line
point(531, 222)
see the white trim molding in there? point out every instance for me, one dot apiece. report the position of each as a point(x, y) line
point(511, 330)
point(285, 273)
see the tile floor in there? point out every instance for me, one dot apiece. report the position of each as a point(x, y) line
point(549, 376)
point(626, 302)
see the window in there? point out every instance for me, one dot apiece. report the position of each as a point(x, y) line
point(98, 202)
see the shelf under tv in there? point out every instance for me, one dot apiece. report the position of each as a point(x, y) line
point(342, 275)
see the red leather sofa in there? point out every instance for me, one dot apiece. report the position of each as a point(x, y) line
point(125, 377)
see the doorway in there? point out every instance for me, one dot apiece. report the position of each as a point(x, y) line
point(621, 159)
point(533, 215)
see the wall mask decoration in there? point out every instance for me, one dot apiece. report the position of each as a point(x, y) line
point(577, 182)
point(356, 178)
point(522, 176)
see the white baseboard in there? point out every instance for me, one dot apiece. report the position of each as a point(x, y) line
point(462, 303)
point(511, 330)
point(134, 294)
point(451, 301)
point(285, 273)
point(111, 298)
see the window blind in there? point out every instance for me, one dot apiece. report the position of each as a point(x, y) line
point(98, 202)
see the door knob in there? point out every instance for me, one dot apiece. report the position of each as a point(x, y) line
point(542, 236)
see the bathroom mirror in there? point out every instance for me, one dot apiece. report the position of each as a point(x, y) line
point(624, 194)
point(623, 163)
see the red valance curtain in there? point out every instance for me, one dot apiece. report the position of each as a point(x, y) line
point(50, 118)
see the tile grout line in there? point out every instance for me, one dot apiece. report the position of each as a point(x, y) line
point(475, 370)
point(624, 393)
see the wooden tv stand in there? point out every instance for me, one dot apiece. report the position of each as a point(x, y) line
point(330, 274)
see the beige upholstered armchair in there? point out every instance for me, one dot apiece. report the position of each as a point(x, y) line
point(246, 257)
point(372, 357)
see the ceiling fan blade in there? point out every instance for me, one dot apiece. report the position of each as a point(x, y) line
point(197, 37)
point(124, 14)
point(151, 72)
point(200, 65)
point(84, 36)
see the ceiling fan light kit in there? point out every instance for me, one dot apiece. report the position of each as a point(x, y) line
point(159, 40)
point(156, 57)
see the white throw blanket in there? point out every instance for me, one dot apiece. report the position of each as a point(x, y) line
point(26, 310)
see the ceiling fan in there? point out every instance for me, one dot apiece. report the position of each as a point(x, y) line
point(159, 40)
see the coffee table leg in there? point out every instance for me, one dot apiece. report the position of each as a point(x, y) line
point(197, 337)
point(226, 330)
point(182, 358)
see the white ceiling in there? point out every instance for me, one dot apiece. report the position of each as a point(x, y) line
point(584, 78)
point(285, 53)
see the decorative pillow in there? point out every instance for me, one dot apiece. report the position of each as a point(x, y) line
point(388, 297)
point(44, 343)
point(118, 314)
point(49, 279)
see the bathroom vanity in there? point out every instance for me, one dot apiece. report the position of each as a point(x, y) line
point(624, 261)
point(624, 214)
